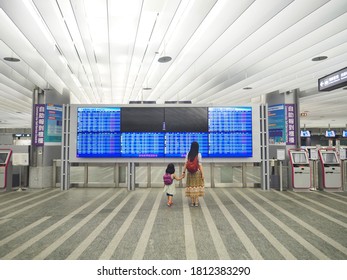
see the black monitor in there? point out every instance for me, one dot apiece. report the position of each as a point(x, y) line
point(190, 119)
point(3, 157)
point(138, 119)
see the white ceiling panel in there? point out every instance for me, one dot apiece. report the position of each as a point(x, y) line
point(107, 51)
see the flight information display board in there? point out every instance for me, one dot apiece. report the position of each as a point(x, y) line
point(98, 120)
point(230, 132)
point(101, 132)
point(99, 144)
point(177, 144)
point(98, 132)
point(142, 144)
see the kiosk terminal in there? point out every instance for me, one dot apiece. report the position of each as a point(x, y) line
point(5, 169)
point(300, 170)
point(330, 170)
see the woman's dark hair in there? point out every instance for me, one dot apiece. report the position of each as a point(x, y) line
point(194, 150)
point(170, 169)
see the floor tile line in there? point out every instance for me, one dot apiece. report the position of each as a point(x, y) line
point(215, 235)
point(22, 231)
point(189, 240)
point(48, 250)
point(25, 197)
point(310, 228)
point(112, 246)
point(268, 235)
point(317, 212)
point(78, 251)
point(319, 204)
point(246, 242)
point(140, 249)
point(48, 230)
point(26, 201)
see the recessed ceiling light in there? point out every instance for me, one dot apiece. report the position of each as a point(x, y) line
point(319, 58)
point(164, 59)
point(247, 88)
point(12, 59)
point(147, 88)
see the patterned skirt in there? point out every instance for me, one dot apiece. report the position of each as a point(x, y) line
point(194, 185)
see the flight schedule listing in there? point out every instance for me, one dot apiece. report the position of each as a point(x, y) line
point(98, 119)
point(142, 144)
point(96, 144)
point(230, 119)
point(177, 144)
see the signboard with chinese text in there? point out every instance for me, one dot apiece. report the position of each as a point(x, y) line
point(290, 124)
point(47, 128)
point(39, 125)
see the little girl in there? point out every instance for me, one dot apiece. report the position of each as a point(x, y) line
point(170, 188)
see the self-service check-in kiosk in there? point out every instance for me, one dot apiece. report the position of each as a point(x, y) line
point(5, 169)
point(329, 172)
point(300, 170)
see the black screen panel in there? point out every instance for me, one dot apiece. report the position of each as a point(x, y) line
point(137, 119)
point(192, 119)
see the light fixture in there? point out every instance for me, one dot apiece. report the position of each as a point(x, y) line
point(11, 59)
point(164, 59)
point(319, 58)
point(247, 88)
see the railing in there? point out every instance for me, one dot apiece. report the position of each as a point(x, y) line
point(144, 175)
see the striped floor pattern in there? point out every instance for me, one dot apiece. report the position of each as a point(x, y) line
point(230, 223)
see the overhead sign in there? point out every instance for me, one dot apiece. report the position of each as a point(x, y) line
point(333, 81)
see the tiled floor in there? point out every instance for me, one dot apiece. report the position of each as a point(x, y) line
point(230, 223)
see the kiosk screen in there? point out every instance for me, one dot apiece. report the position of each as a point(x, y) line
point(3, 158)
point(299, 158)
point(329, 158)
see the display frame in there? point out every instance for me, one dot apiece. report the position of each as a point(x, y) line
point(73, 137)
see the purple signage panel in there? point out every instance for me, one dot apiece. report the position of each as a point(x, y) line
point(290, 124)
point(39, 125)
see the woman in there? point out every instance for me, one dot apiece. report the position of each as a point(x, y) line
point(195, 176)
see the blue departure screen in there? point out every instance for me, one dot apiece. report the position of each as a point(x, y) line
point(142, 144)
point(101, 133)
point(230, 132)
point(98, 120)
point(177, 144)
point(98, 144)
point(98, 132)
